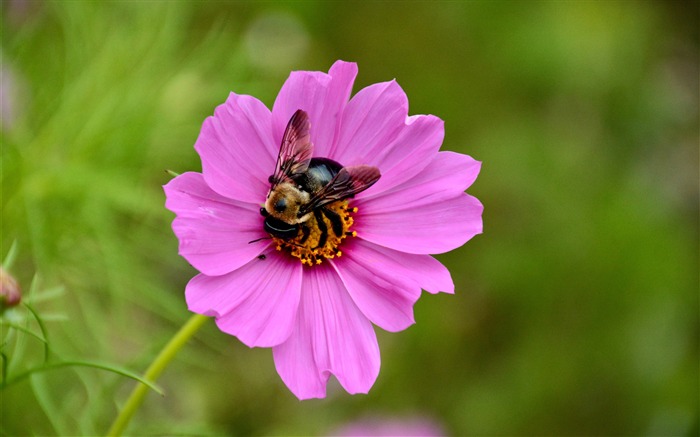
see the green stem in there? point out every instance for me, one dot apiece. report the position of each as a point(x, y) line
point(154, 371)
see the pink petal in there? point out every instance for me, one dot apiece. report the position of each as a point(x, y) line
point(322, 96)
point(426, 214)
point(471, 168)
point(237, 149)
point(421, 226)
point(385, 283)
point(406, 156)
point(446, 175)
point(344, 74)
point(372, 119)
point(257, 303)
point(331, 336)
point(213, 231)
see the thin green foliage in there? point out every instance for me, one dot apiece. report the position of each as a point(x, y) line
point(47, 365)
point(23, 329)
point(44, 331)
point(9, 260)
point(41, 388)
point(47, 294)
point(4, 364)
point(39, 384)
point(96, 365)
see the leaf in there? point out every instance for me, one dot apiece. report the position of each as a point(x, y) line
point(25, 330)
point(5, 363)
point(95, 365)
point(44, 331)
point(10, 257)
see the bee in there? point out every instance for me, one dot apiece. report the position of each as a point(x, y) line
point(302, 186)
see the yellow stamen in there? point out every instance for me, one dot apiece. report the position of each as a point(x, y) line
point(309, 252)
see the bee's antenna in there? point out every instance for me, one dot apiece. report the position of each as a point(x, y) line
point(258, 239)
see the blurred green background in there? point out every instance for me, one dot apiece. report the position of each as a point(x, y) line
point(576, 312)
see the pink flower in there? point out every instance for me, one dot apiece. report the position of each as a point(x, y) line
point(318, 318)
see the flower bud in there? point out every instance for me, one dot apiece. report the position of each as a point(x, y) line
point(10, 294)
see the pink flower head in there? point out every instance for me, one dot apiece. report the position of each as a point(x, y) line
point(312, 287)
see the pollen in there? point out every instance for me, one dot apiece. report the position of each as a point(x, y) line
point(305, 246)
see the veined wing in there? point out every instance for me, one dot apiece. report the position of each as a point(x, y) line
point(348, 182)
point(295, 151)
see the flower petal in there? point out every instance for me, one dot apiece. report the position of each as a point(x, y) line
point(422, 226)
point(331, 336)
point(343, 74)
point(257, 303)
point(385, 283)
point(323, 96)
point(426, 214)
point(237, 149)
point(213, 231)
point(372, 119)
point(447, 174)
point(416, 145)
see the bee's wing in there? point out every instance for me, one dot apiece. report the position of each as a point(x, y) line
point(295, 151)
point(348, 182)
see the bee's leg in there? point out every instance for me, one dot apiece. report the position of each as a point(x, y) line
point(305, 232)
point(336, 221)
point(321, 227)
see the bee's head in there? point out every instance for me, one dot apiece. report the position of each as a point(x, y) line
point(284, 202)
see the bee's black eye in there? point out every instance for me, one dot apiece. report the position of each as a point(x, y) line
point(281, 205)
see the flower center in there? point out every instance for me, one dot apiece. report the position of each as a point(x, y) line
point(315, 240)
